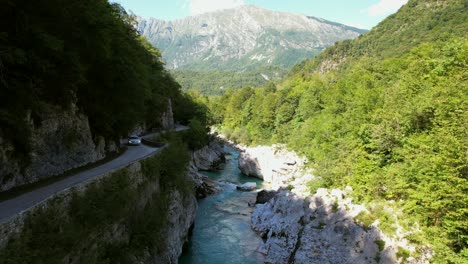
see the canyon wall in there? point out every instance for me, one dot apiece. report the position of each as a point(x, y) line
point(60, 141)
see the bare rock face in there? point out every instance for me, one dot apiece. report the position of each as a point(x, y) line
point(210, 157)
point(181, 216)
point(204, 186)
point(242, 37)
point(272, 164)
point(60, 142)
point(319, 229)
point(167, 118)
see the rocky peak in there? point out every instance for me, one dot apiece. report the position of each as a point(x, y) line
point(243, 37)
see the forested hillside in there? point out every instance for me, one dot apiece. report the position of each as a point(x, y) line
point(82, 53)
point(386, 114)
point(220, 81)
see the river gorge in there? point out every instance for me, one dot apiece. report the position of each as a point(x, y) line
point(222, 232)
point(285, 223)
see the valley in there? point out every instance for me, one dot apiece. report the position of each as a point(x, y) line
point(272, 135)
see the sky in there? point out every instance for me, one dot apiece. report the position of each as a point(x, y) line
point(358, 13)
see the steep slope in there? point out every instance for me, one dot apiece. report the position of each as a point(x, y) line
point(242, 39)
point(71, 88)
point(386, 114)
point(416, 22)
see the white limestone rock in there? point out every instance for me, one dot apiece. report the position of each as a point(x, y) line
point(248, 186)
point(319, 229)
point(273, 164)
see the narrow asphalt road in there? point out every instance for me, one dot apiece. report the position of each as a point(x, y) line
point(16, 205)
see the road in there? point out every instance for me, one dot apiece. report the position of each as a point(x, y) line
point(16, 205)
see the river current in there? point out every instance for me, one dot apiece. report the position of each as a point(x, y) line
point(222, 233)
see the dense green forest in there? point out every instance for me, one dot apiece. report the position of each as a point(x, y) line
point(58, 55)
point(386, 114)
point(217, 82)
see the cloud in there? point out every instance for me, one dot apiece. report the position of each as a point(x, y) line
point(203, 6)
point(385, 7)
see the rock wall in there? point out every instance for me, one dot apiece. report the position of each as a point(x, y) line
point(60, 142)
point(319, 229)
point(273, 164)
point(208, 158)
point(145, 192)
point(167, 118)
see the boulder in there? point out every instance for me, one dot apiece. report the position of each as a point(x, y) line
point(249, 165)
point(204, 186)
point(265, 196)
point(273, 164)
point(248, 186)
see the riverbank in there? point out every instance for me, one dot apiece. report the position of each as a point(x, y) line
point(302, 223)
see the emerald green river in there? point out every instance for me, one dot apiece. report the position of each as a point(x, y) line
point(222, 233)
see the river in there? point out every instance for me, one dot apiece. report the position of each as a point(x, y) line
point(222, 232)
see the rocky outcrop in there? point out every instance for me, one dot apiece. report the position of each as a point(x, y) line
point(167, 118)
point(273, 164)
point(61, 141)
point(181, 217)
point(204, 186)
point(319, 229)
point(208, 158)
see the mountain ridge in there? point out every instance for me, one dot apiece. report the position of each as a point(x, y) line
point(242, 40)
point(251, 34)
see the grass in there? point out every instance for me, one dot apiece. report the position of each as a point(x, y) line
point(17, 191)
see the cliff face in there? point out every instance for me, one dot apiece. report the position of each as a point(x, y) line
point(274, 164)
point(134, 215)
point(61, 141)
point(208, 158)
point(167, 118)
point(316, 230)
point(140, 214)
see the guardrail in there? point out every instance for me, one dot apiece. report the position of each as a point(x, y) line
point(152, 143)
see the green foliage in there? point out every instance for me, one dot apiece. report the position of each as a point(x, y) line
point(315, 184)
point(83, 227)
point(197, 137)
point(417, 22)
point(392, 124)
point(218, 82)
point(403, 253)
point(380, 244)
point(87, 53)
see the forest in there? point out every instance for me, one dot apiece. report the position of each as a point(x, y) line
point(85, 54)
point(385, 114)
point(217, 82)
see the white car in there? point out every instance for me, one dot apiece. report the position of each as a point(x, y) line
point(134, 140)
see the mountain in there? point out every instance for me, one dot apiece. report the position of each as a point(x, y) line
point(417, 22)
point(243, 39)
